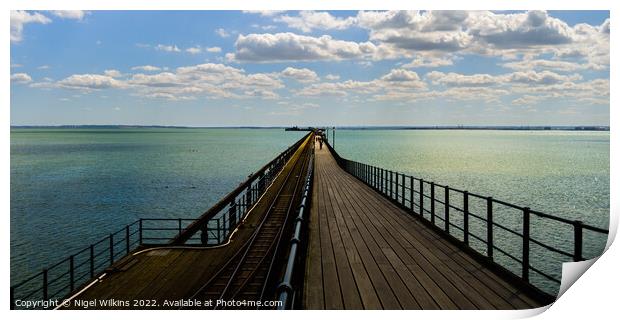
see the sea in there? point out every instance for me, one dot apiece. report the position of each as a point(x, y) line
point(73, 186)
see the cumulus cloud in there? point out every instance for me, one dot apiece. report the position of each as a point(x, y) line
point(194, 50)
point(483, 80)
point(301, 75)
point(113, 73)
point(208, 80)
point(167, 48)
point(522, 30)
point(222, 33)
point(19, 18)
point(429, 62)
point(265, 13)
point(146, 68)
point(332, 77)
point(307, 21)
point(21, 78)
point(433, 38)
point(214, 49)
point(395, 80)
point(89, 82)
point(69, 14)
point(292, 47)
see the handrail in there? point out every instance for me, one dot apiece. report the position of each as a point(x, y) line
point(95, 259)
point(404, 193)
point(285, 291)
point(255, 182)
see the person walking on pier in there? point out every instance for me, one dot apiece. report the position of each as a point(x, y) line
point(320, 142)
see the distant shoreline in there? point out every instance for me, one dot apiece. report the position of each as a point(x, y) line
point(519, 128)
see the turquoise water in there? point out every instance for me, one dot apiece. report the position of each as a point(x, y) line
point(563, 173)
point(72, 187)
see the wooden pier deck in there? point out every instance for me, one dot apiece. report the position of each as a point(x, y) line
point(364, 252)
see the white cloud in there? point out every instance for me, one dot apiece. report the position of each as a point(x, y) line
point(332, 77)
point(428, 62)
point(70, 14)
point(194, 50)
point(19, 18)
point(265, 13)
point(301, 75)
point(21, 78)
point(484, 80)
point(435, 38)
point(307, 21)
point(214, 49)
point(527, 100)
point(89, 82)
point(222, 33)
point(146, 68)
point(293, 47)
point(395, 80)
point(113, 73)
point(43, 67)
point(455, 79)
point(541, 64)
point(167, 48)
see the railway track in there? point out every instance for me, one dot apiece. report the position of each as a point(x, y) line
point(249, 274)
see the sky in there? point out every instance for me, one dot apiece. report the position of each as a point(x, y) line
point(282, 68)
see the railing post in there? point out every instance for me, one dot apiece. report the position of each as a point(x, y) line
point(391, 184)
point(12, 298)
point(92, 261)
point(248, 198)
point(44, 284)
point(446, 209)
point(376, 180)
point(140, 232)
point(127, 242)
point(432, 203)
point(232, 217)
point(180, 226)
point(525, 268)
point(490, 228)
point(219, 233)
point(71, 273)
point(402, 189)
point(381, 184)
point(578, 252)
point(422, 197)
point(466, 217)
point(411, 193)
point(111, 248)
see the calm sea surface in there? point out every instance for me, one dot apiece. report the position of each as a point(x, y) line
point(72, 187)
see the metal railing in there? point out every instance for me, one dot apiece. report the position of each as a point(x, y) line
point(69, 274)
point(487, 226)
point(225, 215)
point(286, 292)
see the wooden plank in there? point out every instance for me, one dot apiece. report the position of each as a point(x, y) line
point(313, 286)
point(380, 283)
point(484, 290)
point(364, 285)
point(331, 284)
point(437, 293)
point(348, 287)
point(493, 283)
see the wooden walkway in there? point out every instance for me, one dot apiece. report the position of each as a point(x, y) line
point(366, 253)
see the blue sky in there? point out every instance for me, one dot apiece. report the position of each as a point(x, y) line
point(229, 68)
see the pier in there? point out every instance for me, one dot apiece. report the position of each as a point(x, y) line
point(312, 230)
